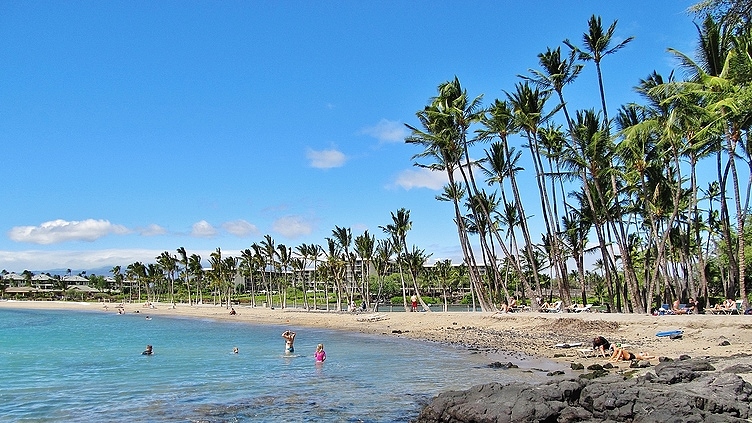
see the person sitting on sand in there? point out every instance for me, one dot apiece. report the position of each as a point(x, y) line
point(320, 354)
point(621, 353)
point(289, 339)
point(508, 307)
point(148, 350)
point(676, 308)
point(601, 345)
point(232, 311)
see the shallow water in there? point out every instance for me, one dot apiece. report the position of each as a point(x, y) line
point(87, 366)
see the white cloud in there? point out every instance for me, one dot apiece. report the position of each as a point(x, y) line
point(387, 131)
point(152, 230)
point(325, 159)
point(422, 178)
point(292, 226)
point(203, 229)
point(57, 231)
point(76, 260)
point(240, 228)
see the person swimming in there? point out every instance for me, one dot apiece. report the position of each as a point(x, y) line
point(289, 340)
point(148, 350)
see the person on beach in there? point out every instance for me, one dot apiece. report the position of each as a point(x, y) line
point(601, 345)
point(148, 350)
point(414, 301)
point(676, 308)
point(289, 339)
point(320, 354)
point(621, 353)
point(232, 311)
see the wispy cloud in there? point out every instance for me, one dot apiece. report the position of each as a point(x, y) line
point(57, 231)
point(421, 178)
point(325, 159)
point(387, 131)
point(203, 229)
point(151, 230)
point(240, 228)
point(292, 226)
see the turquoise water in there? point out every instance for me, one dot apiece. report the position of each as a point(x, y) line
point(64, 366)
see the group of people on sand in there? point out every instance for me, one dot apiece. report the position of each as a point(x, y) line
point(289, 336)
point(618, 352)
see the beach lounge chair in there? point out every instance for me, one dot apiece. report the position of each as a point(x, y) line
point(583, 309)
point(555, 308)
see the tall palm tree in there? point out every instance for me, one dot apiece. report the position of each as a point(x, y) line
point(597, 45)
point(364, 245)
point(168, 263)
point(196, 270)
point(183, 260)
point(445, 123)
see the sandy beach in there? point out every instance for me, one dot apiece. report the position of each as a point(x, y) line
point(531, 334)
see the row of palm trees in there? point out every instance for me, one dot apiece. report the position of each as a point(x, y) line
point(341, 268)
point(630, 181)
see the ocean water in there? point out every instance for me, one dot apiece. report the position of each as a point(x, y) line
point(66, 366)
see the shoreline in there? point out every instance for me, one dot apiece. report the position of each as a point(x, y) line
point(532, 334)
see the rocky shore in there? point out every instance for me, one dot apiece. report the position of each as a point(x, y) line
point(684, 390)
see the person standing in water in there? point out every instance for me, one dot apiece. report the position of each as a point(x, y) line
point(289, 340)
point(320, 354)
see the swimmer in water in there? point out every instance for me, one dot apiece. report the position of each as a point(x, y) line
point(320, 354)
point(148, 351)
point(289, 339)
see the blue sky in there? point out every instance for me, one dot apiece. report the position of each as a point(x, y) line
point(131, 128)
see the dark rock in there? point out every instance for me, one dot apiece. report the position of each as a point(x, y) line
point(662, 359)
point(684, 357)
point(682, 391)
point(595, 367)
point(594, 374)
point(724, 343)
point(738, 368)
point(498, 365)
point(577, 366)
point(555, 373)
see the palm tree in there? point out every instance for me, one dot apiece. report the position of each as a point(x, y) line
point(364, 245)
point(169, 264)
point(445, 123)
point(183, 260)
point(285, 255)
point(118, 278)
point(597, 45)
point(382, 254)
point(197, 271)
point(269, 253)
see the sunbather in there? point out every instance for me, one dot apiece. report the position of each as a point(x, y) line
point(622, 354)
point(677, 309)
point(601, 345)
